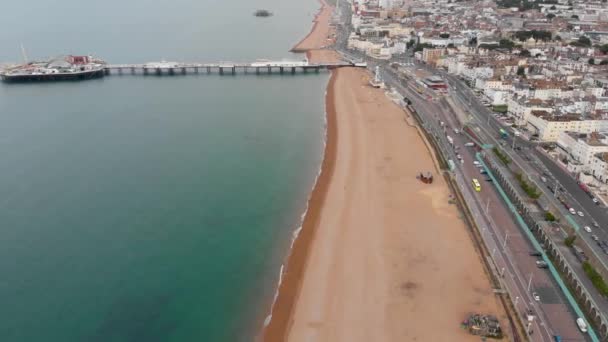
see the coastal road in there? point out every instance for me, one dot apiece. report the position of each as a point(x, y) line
point(525, 158)
point(554, 315)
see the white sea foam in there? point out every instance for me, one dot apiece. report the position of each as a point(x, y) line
point(297, 231)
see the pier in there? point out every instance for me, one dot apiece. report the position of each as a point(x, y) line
point(224, 68)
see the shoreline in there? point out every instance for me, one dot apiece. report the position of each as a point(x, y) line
point(297, 47)
point(292, 271)
point(277, 320)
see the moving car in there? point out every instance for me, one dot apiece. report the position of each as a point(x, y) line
point(595, 238)
point(572, 211)
point(581, 324)
point(476, 185)
point(580, 213)
point(469, 144)
point(587, 229)
point(541, 264)
point(536, 254)
point(536, 296)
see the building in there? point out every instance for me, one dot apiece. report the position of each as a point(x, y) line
point(580, 148)
point(435, 82)
point(598, 167)
point(549, 126)
point(430, 56)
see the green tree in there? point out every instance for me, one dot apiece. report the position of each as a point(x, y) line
point(444, 35)
point(422, 46)
point(584, 41)
point(604, 62)
point(604, 48)
point(506, 44)
point(574, 16)
point(569, 241)
point(550, 16)
point(525, 53)
point(521, 71)
point(558, 37)
point(549, 217)
point(591, 61)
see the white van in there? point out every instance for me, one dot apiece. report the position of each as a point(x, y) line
point(469, 144)
point(581, 324)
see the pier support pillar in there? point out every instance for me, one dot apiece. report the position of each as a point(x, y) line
point(257, 70)
point(106, 71)
point(281, 70)
point(132, 70)
point(158, 72)
point(183, 71)
point(145, 71)
point(208, 70)
point(196, 70)
point(270, 70)
point(317, 70)
point(171, 71)
point(293, 70)
point(305, 69)
point(233, 70)
point(221, 71)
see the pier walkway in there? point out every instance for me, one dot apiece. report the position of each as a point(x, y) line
point(267, 67)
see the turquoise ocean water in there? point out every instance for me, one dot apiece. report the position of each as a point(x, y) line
point(152, 208)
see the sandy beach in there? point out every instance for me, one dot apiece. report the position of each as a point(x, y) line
point(320, 35)
point(381, 256)
point(390, 259)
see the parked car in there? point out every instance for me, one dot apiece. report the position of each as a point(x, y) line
point(536, 296)
point(595, 238)
point(469, 144)
point(572, 211)
point(595, 224)
point(541, 264)
point(587, 229)
point(536, 254)
point(580, 213)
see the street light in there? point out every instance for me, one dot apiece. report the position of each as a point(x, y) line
point(530, 281)
point(504, 245)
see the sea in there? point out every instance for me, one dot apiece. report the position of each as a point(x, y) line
point(152, 208)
